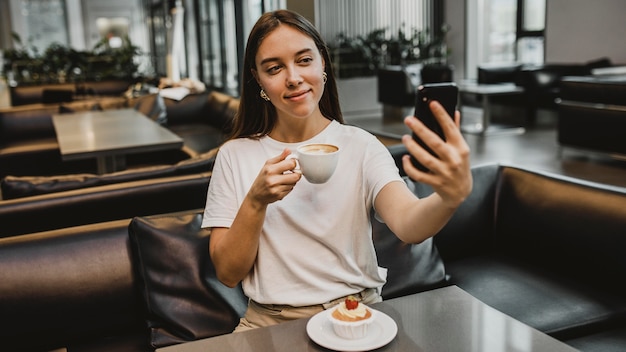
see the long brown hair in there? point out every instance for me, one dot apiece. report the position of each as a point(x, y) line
point(257, 117)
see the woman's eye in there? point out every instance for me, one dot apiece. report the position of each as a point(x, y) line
point(306, 60)
point(273, 69)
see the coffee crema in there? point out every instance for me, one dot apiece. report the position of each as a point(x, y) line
point(318, 149)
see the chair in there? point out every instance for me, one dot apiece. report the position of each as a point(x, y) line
point(395, 87)
point(396, 91)
point(436, 73)
point(52, 96)
point(499, 73)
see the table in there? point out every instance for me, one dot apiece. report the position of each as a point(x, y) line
point(447, 319)
point(486, 91)
point(109, 136)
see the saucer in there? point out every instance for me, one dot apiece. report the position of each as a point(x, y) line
point(380, 332)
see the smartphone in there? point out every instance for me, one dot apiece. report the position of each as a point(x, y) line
point(447, 95)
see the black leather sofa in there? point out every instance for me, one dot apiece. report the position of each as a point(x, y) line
point(65, 92)
point(114, 201)
point(544, 249)
point(592, 114)
point(13, 187)
point(541, 83)
point(28, 145)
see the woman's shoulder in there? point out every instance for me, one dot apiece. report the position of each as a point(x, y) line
point(352, 131)
point(236, 143)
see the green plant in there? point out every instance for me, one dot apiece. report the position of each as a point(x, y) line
point(58, 63)
point(363, 55)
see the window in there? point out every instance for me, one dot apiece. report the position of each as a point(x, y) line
point(224, 26)
point(43, 23)
point(504, 31)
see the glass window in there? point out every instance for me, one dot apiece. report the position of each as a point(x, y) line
point(501, 29)
point(504, 31)
point(534, 18)
point(45, 23)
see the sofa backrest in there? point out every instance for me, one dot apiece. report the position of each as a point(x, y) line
point(34, 121)
point(68, 286)
point(470, 230)
point(568, 225)
point(27, 186)
point(34, 94)
point(103, 203)
point(212, 107)
point(610, 90)
point(25, 124)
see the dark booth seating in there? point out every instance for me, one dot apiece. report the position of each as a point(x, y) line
point(65, 92)
point(28, 145)
point(103, 203)
point(592, 114)
point(25, 186)
point(545, 249)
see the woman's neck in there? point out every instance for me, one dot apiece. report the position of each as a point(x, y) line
point(298, 130)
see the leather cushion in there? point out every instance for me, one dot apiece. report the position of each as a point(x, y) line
point(537, 296)
point(153, 106)
point(26, 186)
point(411, 267)
point(184, 299)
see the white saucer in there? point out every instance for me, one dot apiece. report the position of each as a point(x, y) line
point(380, 333)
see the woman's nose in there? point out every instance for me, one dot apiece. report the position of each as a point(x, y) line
point(293, 77)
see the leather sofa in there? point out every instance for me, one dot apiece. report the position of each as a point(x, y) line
point(28, 145)
point(13, 187)
point(65, 92)
point(541, 83)
point(592, 114)
point(103, 203)
point(547, 250)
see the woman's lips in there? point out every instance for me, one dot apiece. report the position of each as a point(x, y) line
point(297, 95)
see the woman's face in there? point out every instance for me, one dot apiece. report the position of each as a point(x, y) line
point(289, 67)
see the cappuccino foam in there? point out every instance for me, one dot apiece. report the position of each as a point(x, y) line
point(319, 149)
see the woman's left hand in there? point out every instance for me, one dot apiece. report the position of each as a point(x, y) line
point(449, 174)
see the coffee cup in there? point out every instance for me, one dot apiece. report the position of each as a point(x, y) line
point(317, 161)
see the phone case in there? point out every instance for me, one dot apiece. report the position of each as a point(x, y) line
point(447, 95)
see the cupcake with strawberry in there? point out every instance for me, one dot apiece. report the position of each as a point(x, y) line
point(351, 319)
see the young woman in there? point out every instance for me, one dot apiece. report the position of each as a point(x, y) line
point(300, 247)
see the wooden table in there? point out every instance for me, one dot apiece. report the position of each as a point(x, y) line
point(109, 136)
point(486, 91)
point(447, 319)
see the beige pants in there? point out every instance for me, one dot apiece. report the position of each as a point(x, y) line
point(259, 315)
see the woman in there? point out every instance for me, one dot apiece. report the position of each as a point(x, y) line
point(299, 247)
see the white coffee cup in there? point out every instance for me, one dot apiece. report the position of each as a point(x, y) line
point(317, 161)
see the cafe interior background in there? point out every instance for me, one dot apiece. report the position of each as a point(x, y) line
point(203, 39)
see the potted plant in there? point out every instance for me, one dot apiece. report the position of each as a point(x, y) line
point(362, 55)
point(59, 64)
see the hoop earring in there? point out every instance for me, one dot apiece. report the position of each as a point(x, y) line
point(324, 77)
point(264, 95)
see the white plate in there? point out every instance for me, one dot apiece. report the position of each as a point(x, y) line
point(380, 333)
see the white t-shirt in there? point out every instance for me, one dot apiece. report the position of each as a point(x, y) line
point(316, 243)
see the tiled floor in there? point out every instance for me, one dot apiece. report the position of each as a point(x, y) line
point(537, 148)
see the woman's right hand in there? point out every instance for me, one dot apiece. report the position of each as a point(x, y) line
point(275, 180)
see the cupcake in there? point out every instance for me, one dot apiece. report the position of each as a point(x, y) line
point(350, 319)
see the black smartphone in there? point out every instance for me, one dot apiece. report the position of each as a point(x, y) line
point(447, 95)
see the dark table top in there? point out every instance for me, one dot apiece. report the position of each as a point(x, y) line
point(110, 132)
point(446, 319)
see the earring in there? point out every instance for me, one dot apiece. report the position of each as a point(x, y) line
point(324, 76)
point(264, 95)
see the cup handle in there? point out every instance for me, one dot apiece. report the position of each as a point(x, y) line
point(297, 168)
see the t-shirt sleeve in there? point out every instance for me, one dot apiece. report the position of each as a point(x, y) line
point(221, 203)
point(379, 167)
